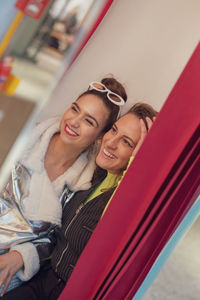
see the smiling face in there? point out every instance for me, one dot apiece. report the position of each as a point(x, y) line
point(118, 144)
point(83, 122)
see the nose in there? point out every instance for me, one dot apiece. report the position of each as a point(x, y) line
point(112, 143)
point(75, 121)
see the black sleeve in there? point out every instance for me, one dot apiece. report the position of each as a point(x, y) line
point(46, 245)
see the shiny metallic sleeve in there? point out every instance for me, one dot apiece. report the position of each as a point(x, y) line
point(15, 227)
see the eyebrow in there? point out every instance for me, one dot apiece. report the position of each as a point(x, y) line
point(130, 139)
point(75, 104)
point(88, 115)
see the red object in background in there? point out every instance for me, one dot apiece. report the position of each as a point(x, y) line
point(5, 69)
point(32, 8)
point(21, 4)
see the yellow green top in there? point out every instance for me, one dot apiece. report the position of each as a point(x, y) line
point(119, 181)
point(110, 181)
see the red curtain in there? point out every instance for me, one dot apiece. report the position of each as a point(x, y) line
point(159, 188)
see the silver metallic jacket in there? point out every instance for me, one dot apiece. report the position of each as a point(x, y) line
point(15, 228)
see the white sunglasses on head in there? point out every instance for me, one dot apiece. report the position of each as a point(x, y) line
point(113, 97)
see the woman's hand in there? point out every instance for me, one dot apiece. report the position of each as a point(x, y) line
point(10, 264)
point(143, 133)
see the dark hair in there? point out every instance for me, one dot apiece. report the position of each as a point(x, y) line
point(116, 87)
point(143, 110)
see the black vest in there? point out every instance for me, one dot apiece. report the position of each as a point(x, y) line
point(78, 223)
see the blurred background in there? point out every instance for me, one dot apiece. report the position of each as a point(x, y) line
point(39, 40)
point(39, 46)
point(47, 59)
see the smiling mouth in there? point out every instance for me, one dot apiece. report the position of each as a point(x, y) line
point(70, 132)
point(108, 155)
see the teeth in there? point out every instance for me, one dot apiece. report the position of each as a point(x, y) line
point(108, 154)
point(70, 131)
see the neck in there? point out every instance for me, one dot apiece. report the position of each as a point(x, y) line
point(61, 154)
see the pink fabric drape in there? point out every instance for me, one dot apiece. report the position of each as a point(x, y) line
point(155, 194)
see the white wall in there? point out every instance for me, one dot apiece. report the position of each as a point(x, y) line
point(145, 44)
point(7, 15)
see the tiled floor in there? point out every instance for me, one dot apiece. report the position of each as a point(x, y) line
point(10, 125)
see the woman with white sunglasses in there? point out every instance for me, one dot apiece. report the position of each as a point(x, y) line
point(60, 152)
point(82, 213)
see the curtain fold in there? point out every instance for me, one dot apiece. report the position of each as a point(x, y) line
point(132, 269)
point(157, 191)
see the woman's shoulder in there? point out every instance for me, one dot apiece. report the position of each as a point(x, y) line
point(40, 136)
point(99, 175)
point(43, 125)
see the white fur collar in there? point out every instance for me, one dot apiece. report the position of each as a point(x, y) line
point(77, 177)
point(43, 196)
